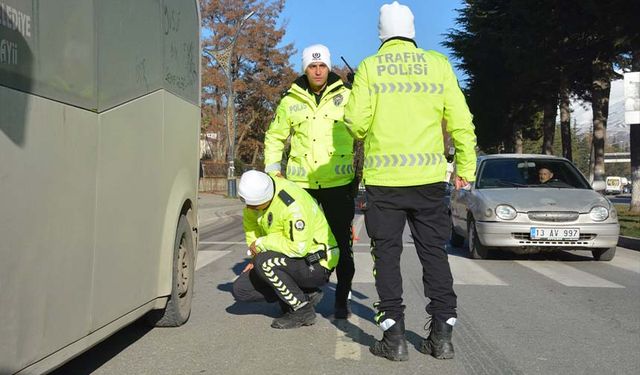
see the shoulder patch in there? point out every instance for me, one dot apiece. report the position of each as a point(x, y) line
point(285, 197)
point(337, 100)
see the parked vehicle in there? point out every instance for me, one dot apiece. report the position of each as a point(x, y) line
point(615, 185)
point(99, 124)
point(510, 208)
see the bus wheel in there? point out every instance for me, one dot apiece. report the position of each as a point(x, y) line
point(178, 307)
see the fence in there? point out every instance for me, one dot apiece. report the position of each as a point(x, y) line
point(213, 175)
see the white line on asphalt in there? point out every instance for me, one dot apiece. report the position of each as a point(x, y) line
point(206, 257)
point(626, 261)
point(469, 272)
point(567, 275)
point(364, 269)
point(222, 243)
point(357, 226)
point(348, 338)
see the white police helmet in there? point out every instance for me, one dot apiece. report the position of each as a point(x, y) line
point(255, 188)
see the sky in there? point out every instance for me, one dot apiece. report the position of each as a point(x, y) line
point(349, 28)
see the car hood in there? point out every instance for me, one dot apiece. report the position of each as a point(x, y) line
point(543, 199)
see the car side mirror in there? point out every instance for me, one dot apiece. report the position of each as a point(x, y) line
point(598, 186)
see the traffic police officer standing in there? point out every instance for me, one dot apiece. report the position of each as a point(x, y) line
point(293, 248)
point(321, 155)
point(399, 98)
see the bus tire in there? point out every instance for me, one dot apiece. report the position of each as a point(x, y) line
point(178, 308)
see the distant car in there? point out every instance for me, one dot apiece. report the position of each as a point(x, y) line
point(510, 208)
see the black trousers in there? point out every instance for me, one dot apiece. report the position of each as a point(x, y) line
point(423, 206)
point(338, 207)
point(277, 277)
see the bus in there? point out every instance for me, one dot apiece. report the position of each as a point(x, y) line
point(99, 132)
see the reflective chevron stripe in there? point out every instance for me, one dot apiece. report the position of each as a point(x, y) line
point(292, 170)
point(403, 160)
point(344, 169)
point(340, 169)
point(267, 267)
point(407, 87)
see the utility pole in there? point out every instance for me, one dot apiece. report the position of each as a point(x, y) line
point(632, 117)
point(223, 57)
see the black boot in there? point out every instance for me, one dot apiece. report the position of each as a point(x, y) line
point(393, 345)
point(313, 297)
point(438, 343)
point(342, 311)
point(304, 316)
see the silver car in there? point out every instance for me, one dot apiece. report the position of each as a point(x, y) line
point(529, 204)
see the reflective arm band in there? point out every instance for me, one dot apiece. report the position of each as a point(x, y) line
point(275, 167)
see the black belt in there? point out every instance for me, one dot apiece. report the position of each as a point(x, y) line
point(315, 257)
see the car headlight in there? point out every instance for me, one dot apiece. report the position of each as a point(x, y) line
point(599, 213)
point(506, 212)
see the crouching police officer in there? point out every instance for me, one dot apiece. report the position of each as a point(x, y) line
point(292, 247)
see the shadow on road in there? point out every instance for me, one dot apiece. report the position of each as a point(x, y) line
point(91, 360)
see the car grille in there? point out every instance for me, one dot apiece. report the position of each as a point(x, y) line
point(553, 216)
point(525, 239)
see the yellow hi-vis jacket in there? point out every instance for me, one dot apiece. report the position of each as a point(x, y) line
point(321, 154)
point(398, 101)
point(293, 225)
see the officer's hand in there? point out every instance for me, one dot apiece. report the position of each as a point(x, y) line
point(252, 249)
point(461, 183)
point(278, 174)
point(248, 267)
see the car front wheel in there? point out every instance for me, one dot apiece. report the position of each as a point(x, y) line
point(604, 254)
point(456, 239)
point(476, 249)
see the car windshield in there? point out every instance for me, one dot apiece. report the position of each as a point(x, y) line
point(531, 173)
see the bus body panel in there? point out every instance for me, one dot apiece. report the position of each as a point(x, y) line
point(128, 222)
point(99, 123)
point(180, 178)
point(47, 215)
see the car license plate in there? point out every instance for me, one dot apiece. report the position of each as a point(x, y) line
point(546, 233)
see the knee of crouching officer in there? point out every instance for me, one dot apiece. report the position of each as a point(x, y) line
point(238, 291)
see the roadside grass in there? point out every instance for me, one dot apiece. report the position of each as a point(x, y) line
point(629, 223)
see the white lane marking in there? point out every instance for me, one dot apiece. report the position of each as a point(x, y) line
point(348, 338)
point(206, 257)
point(626, 261)
point(465, 271)
point(361, 245)
point(357, 226)
point(567, 275)
point(470, 272)
point(364, 269)
point(222, 243)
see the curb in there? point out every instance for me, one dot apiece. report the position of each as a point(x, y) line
point(631, 243)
